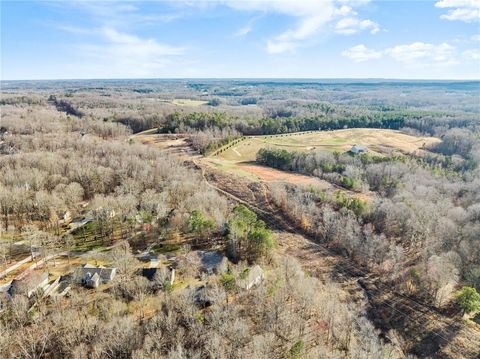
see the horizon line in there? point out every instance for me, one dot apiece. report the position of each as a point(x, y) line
point(244, 79)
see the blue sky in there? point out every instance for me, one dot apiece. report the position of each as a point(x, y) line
point(240, 39)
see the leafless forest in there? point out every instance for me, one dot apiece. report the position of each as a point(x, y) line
point(383, 262)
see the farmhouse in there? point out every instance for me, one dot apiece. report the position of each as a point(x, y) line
point(356, 149)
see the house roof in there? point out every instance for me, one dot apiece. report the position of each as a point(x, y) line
point(28, 284)
point(358, 148)
point(208, 261)
point(149, 273)
point(254, 277)
point(89, 270)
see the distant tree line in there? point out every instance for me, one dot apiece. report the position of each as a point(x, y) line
point(421, 121)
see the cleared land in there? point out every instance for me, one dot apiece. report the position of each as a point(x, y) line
point(240, 158)
point(176, 144)
point(379, 141)
point(188, 102)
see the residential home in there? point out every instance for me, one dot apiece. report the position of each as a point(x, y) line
point(29, 284)
point(92, 276)
point(210, 262)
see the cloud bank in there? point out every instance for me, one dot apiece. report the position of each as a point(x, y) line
point(461, 10)
point(413, 54)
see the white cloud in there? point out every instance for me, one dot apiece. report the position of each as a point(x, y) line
point(354, 2)
point(345, 10)
point(247, 28)
point(126, 43)
point(118, 13)
point(462, 10)
point(418, 52)
point(108, 52)
point(278, 47)
point(361, 53)
point(352, 25)
point(472, 54)
point(311, 16)
point(244, 30)
point(126, 55)
point(306, 27)
point(475, 38)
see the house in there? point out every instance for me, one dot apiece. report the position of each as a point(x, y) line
point(356, 149)
point(77, 223)
point(251, 277)
point(5, 287)
point(160, 275)
point(91, 276)
point(29, 284)
point(210, 262)
point(92, 281)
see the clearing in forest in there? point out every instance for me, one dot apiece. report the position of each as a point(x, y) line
point(240, 158)
point(379, 142)
point(188, 102)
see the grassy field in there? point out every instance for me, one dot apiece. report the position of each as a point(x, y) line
point(239, 159)
point(188, 102)
point(379, 141)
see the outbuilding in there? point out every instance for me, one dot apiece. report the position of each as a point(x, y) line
point(356, 149)
point(251, 278)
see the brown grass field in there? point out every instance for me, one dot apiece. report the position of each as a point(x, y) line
point(379, 142)
point(240, 158)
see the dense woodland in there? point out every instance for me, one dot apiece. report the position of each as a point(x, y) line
point(423, 210)
point(68, 147)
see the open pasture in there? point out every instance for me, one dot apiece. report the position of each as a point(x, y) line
point(378, 141)
point(188, 102)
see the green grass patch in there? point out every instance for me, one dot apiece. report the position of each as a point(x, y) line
point(90, 245)
point(164, 248)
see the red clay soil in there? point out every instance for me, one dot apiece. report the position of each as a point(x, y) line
point(268, 174)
